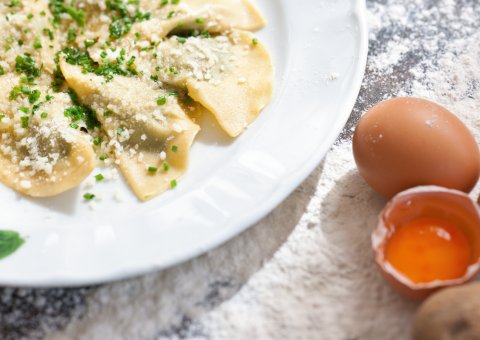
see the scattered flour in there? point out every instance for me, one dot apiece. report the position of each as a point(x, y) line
point(322, 282)
point(306, 271)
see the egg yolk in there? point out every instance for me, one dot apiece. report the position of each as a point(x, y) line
point(429, 249)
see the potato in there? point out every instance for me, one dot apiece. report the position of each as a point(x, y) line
point(450, 314)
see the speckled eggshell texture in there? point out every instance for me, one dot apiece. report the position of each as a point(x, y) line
point(406, 142)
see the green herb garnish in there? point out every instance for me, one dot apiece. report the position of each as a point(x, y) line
point(37, 44)
point(123, 19)
point(88, 196)
point(34, 96)
point(24, 121)
point(162, 100)
point(10, 241)
point(58, 7)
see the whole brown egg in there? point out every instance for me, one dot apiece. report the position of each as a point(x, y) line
point(406, 142)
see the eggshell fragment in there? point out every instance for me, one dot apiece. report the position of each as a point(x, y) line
point(407, 142)
point(421, 202)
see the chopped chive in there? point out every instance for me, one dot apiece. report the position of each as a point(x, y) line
point(43, 115)
point(71, 34)
point(88, 196)
point(165, 166)
point(24, 121)
point(25, 89)
point(99, 177)
point(181, 40)
point(36, 107)
point(34, 96)
point(130, 62)
point(162, 100)
point(173, 184)
point(102, 158)
point(174, 148)
point(37, 44)
point(152, 169)
point(14, 93)
point(254, 41)
point(89, 42)
point(48, 33)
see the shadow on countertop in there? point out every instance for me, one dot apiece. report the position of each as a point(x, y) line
point(350, 214)
point(164, 303)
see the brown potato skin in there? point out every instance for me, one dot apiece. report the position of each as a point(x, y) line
point(450, 314)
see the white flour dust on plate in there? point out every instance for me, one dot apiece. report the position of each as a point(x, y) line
point(322, 282)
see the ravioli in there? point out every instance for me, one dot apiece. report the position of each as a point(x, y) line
point(122, 82)
point(231, 76)
point(40, 155)
point(239, 14)
point(212, 16)
point(150, 133)
point(26, 36)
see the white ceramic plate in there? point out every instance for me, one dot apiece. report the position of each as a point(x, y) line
point(319, 49)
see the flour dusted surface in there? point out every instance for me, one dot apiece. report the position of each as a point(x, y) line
point(306, 271)
point(322, 283)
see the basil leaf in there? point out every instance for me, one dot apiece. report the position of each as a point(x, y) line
point(10, 241)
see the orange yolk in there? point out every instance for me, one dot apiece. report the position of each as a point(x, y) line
point(429, 249)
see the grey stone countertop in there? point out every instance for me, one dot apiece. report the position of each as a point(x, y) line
point(173, 303)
